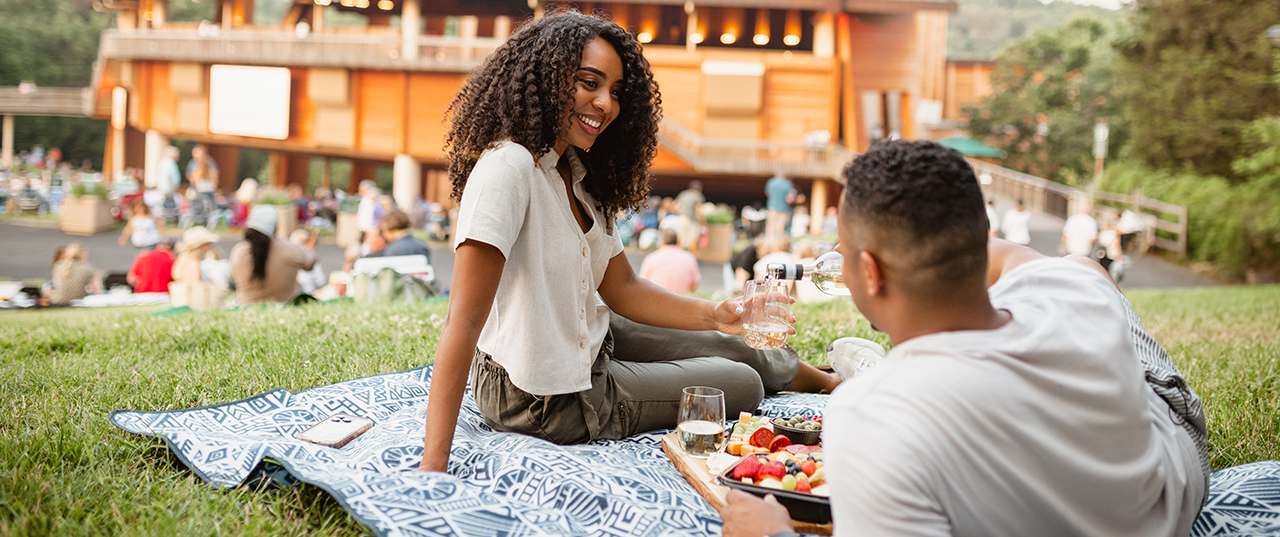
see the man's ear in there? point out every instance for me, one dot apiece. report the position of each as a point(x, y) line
point(872, 275)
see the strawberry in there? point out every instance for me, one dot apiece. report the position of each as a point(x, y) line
point(772, 468)
point(808, 467)
point(802, 486)
point(749, 467)
point(778, 443)
point(761, 438)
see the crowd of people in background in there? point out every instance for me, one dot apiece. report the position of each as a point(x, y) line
point(777, 228)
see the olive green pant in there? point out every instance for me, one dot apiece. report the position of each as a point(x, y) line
point(636, 383)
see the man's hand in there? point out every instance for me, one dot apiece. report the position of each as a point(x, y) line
point(745, 515)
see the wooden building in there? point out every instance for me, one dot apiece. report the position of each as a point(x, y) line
point(751, 88)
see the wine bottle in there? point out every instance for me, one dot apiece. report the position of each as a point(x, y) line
point(825, 273)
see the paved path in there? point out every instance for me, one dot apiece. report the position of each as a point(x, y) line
point(26, 253)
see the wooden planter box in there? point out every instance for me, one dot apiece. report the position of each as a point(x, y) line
point(86, 215)
point(347, 232)
point(719, 244)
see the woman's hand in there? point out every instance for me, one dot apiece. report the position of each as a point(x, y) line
point(728, 314)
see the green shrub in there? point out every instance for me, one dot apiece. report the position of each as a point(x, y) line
point(273, 197)
point(1226, 224)
point(720, 215)
point(87, 189)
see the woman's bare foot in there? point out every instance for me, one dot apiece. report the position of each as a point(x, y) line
point(810, 379)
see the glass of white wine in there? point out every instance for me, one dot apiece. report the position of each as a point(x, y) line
point(766, 314)
point(700, 426)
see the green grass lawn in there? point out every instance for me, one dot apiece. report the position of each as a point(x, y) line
point(65, 470)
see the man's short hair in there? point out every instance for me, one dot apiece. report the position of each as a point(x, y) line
point(395, 221)
point(918, 206)
point(670, 237)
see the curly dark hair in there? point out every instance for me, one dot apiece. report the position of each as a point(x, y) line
point(520, 93)
point(921, 202)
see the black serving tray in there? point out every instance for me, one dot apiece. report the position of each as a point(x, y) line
point(803, 507)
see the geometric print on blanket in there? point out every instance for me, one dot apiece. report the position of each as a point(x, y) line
point(510, 484)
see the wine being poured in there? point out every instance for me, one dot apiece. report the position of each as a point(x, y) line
point(825, 273)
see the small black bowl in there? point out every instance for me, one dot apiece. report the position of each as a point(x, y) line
point(797, 436)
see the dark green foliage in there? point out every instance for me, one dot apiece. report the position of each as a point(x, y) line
point(52, 43)
point(1050, 89)
point(981, 28)
point(1193, 74)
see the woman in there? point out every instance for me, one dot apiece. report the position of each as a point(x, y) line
point(534, 247)
point(192, 284)
point(73, 278)
point(265, 268)
point(196, 242)
point(143, 229)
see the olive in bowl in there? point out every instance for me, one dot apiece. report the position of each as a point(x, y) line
point(805, 430)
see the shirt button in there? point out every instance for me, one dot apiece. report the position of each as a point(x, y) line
point(582, 313)
point(582, 343)
point(584, 285)
point(584, 251)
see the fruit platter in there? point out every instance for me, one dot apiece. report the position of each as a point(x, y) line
point(794, 475)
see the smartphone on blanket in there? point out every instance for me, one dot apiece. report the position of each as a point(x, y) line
point(336, 430)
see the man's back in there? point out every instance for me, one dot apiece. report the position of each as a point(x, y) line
point(776, 191)
point(1079, 233)
point(154, 270)
point(672, 268)
point(1043, 426)
point(408, 245)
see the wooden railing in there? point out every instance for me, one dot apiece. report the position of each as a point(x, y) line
point(74, 102)
point(1036, 193)
point(1039, 194)
point(1157, 214)
point(320, 49)
point(753, 157)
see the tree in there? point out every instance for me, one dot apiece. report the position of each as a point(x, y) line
point(53, 43)
point(1050, 90)
point(1193, 74)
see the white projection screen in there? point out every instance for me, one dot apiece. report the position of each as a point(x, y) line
point(249, 101)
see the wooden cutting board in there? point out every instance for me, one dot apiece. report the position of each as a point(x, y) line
point(695, 471)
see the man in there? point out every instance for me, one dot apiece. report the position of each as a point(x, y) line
point(1016, 224)
point(778, 193)
point(1079, 233)
point(670, 267)
point(152, 270)
point(367, 212)
point(395, 229)
point(692, 220)
point(167, 184)
point(202, 171)
point(1037, 406)
point(169, 179)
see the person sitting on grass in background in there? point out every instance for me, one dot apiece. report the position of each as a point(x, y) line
point(265, 268)
point(73, 277)
point(196, 243)
point(59, 253)
point(142, 229)
point(309, 281)
point(1022, 395)
point(671, 267)
point(395, 230)
point(563, 341)
point(152, 270)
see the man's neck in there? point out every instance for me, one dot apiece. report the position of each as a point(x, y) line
point(918, 318)
point(393, 236)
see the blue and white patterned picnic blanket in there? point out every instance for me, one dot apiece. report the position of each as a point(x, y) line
point(509, 484)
